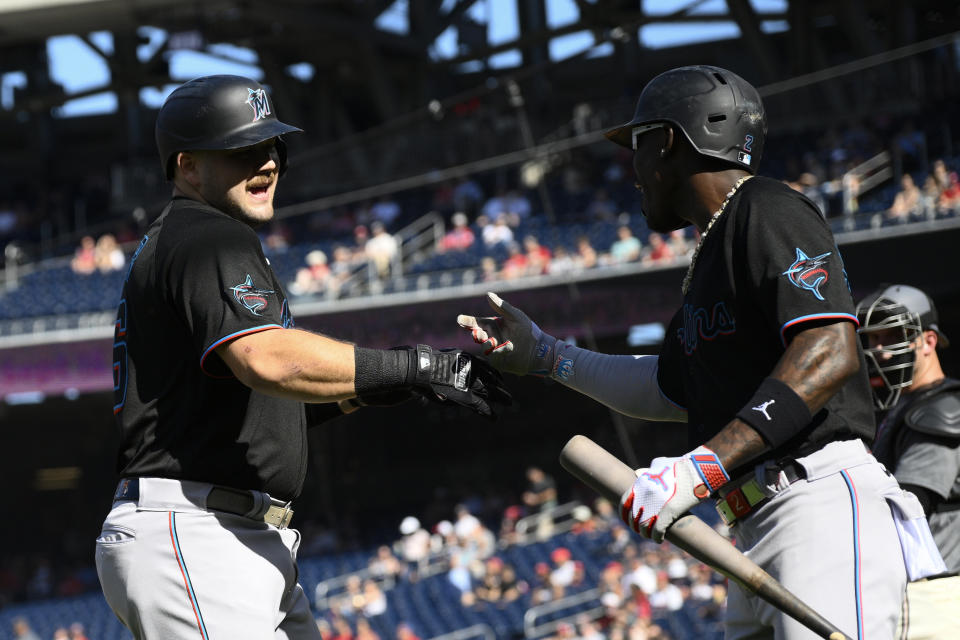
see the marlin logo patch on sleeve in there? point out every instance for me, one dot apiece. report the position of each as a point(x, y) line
point(252, 298)
point(257, 99)
point(809, 273)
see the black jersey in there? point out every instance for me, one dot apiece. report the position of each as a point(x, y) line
point(198, 279)
point(768, 265)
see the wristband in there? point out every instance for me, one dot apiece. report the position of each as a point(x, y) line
point(776, 412)
point(379, 370)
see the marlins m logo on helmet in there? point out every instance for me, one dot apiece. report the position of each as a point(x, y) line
point(257, 99)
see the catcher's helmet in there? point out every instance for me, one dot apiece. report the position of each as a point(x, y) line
point(720, 113)
point(908, 312)
point(217, 112)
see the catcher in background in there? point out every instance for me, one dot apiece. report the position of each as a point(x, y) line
point(918, 437)
point(761, 361)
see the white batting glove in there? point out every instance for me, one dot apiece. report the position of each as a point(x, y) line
point(511, 340)
point(669, 488)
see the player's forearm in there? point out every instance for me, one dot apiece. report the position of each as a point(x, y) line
point(816, 363)
point(293, 364)
point(625, 383)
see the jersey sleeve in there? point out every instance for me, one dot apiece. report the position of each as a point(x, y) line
point(793, 264)
point(223, 288)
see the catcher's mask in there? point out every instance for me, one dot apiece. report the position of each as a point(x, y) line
point(891, 321)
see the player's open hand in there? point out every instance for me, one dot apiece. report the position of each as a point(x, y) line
point(453, 375)
point(512, 341)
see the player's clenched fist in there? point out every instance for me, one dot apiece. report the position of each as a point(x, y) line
point(512, 341)
point(669, 488)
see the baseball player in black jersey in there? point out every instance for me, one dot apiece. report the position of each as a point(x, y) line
point(762, 362)
point(215, 388)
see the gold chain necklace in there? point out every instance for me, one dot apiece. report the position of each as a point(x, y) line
point(685, 287)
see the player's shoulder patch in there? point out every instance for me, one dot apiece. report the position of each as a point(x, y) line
point(809, 272)
point(938, 415)
point(254, 299)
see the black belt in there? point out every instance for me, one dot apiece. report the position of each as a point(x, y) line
point(745, 494)
point(235, 501)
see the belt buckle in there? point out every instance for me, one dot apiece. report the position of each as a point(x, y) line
point(279, 516)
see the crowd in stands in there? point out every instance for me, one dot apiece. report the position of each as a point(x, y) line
point(639, 586)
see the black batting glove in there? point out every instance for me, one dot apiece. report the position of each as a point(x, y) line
point(455, 376)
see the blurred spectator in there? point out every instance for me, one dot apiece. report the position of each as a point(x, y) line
point(22, 630)
point(385, 211)
point(467, 196)
point(460, 237)
point(810, 187)
point(626, 248)
point(459, 575)
point(313, 278)
point(415, 544)
point(601, 208)
point(516, 264)
point(940, 174)
point(496, 232)
point(374, 600)
point(907, 202)
point(361, 234)
point(538, 256)
point(488, 269)
point(466, 524)
point(587, 629)
point(364, 631)
point(341, 629)
point(565, 631)
point(77, 632)
point(278, 237)
point(508, 524)
point(930, 197)
point(340, 269)
point(541, 491)
point(667, 596)
point(326, 631)
point(561, 262)
point(108, 256)
point(950, 197)
point(851, 193)
point(640, 574)
point(586, 254)
point(350, 604)
point(85, 257)
point(61, 633)
point(381, 249)
point(405, 632)
point(385, 564)
point(564, 568)
point(443, 536)
point(499, 583)
point(658, 251)
point(542, 589)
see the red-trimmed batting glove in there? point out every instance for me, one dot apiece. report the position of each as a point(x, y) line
point(669, 488)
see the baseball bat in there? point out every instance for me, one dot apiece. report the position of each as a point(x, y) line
point(611, 478)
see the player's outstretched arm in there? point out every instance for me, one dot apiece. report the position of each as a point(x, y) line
point(625, 383)
point(313, 368)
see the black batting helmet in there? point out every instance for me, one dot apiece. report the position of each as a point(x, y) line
point(720, 113)
point(218, 112)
